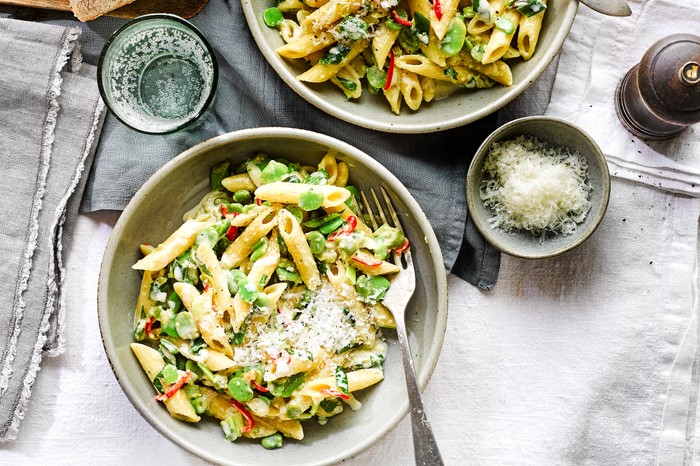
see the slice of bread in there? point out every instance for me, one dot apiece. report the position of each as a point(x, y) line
point(86, 10)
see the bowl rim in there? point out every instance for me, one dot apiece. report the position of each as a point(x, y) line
point(188, 25)
point(319, 102)
point(429, 241)
point(477, 160)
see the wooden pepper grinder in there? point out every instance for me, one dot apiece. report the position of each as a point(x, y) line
point(660, 96)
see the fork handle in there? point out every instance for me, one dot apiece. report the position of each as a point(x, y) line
point(425, 448)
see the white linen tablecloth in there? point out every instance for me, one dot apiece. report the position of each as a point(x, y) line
point(589, 358)
point(579, 359)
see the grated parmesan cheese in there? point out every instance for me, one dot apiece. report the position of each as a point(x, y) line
point(322, 325)
point(535, 187)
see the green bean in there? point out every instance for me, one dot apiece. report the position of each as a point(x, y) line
point(287, 271)
point(393, 238)
point(211, 234)
point(274, 171)
point(317, 222)
point(477, 52)
point(505, 25)
point(319, 177)
point(259, 248)
point(194, 368)
point(200, 404)
point(185, 326)
point(272, 442)
point(232, 426)
point(242, 197)
point(371, 289)
point(273, 17)
point(317, 242)
point(262, 300)
point(248, 291)
point(453, 41)
point(376, 77)
point(240, 389)
point(530, 7)
point(217, 174)
point(332, 226)
point(310, 200)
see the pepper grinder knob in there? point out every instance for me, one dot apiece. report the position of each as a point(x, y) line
point(660, 96)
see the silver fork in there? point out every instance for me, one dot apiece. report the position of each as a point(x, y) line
point(403, 284)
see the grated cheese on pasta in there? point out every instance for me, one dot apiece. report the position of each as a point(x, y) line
point(535, 187)
point(323, 324)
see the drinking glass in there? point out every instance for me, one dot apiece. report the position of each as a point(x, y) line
point(157, 73)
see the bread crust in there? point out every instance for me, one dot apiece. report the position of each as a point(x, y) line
point(85, 10)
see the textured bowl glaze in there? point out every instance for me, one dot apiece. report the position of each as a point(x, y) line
point(156, 211)
point(373, 111)
point(560, 133)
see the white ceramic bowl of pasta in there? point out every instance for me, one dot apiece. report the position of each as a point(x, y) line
point(156, 210)
point(373, 111)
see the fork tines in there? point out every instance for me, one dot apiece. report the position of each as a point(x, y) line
point(392, 213)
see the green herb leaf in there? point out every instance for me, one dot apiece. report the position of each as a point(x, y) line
point(335, 55)
point(341, 380)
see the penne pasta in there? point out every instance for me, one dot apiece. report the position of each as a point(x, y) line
point(242, 246)
point(528, 34)
point(152, 363)
point(201, 307)
point(240, 182)
point(223, 301)
point(342, 178)
point(306, 44)
point(334, 36)
point(382, 42)
point(293, 236)
point(330, 166)
point(500, 40)
point(273, 314)
point(330, 13)
point(410, 89)
point(176, 244)
point(321, 72)
point(357, 380)
point(440, 25)
point(370, 265)
point(288, 193)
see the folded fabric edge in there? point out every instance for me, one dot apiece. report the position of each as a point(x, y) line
point(57, 272)
point(675, 434)
point(69, 40)
point(481, 271)
point(673, 181)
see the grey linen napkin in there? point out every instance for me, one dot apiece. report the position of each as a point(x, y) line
point(250, 94)
point(50, 116)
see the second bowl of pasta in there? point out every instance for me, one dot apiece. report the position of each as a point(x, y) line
point(240, 300)
point(409, 67)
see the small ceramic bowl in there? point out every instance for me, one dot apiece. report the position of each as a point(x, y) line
point(555, 132)
point(156, 211)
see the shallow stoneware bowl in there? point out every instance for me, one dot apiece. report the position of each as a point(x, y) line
point(556, 132)
point(372, 111)
point(156, 211)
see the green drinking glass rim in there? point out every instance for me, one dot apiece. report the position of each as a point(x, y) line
point(188, 25)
